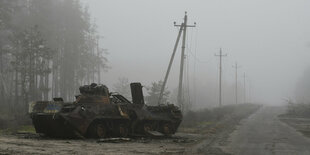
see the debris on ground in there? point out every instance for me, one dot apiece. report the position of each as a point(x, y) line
point(155, 133)
point(205, 138)
point(113, 140)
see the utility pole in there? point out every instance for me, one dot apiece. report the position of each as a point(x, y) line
point(99, 56)
point(220, 78)
point(250, 90)
point(170, 64)
point(244, 97)
point(180, 89)
point(236, 85)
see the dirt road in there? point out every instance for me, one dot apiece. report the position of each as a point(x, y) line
point(264, 134)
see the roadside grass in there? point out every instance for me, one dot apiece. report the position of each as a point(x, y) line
point(27, 129)
point(214, 120)
point(297, 115)
point(297, 110)
point(11, 123)
point(19, 129)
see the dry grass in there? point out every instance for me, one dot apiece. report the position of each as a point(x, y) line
point(209, 117)
point(20, 129)
point(298, 109)
point(214, 120)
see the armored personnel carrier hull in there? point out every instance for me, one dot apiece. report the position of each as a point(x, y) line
point(96, 113)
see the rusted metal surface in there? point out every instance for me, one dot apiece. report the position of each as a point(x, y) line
point(96, 113)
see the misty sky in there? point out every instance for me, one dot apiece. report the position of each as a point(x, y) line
point(268, 38)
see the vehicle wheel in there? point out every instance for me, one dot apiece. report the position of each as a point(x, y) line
point(97, 130)
point(123, 130)
point(147, 127)
point(167, 129)
point(101, 131)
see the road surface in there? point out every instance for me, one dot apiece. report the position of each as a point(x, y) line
point(264, 134)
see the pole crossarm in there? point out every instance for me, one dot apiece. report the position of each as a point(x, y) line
point(186, 25)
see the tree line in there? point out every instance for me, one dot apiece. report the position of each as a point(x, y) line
point(47, 48)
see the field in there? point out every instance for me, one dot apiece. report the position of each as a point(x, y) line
point(298, 117)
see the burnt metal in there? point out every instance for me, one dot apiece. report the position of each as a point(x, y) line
point(96, 113)
point(137, 93)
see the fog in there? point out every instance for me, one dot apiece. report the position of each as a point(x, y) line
point(74, 68)
point(269, 39)
point(50, 48)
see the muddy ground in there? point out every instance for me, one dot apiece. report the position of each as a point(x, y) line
point(202, 139)
point(265, 131)
point(180, 143)
point(33, 144)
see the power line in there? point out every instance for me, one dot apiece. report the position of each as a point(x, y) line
point(198, 60)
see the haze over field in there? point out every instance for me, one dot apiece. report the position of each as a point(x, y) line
point(116, 42)
point(71, 73)
point(269, 39)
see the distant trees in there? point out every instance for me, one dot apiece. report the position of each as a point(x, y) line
point(47, 48)
point(153, 93)
point(122, 86)
point(30, 65)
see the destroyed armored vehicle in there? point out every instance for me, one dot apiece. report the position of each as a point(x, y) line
point(96, 113)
